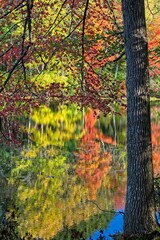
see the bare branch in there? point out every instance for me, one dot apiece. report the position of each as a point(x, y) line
point(14, 67)
point(6, 51)
point(83, 49)
point(17, 7)
point(119, 57)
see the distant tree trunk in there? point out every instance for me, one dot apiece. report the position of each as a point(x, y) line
point(140, 208)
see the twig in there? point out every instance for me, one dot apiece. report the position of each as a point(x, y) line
point(14, 9)
point(119, 57)
point(118, 212)
point(14, 67)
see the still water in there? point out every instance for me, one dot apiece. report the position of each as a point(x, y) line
point(67, 181)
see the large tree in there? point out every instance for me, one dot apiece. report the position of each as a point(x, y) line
point(140, 208)
point(78, 40)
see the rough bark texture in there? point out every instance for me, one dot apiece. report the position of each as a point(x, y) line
point(139, 210)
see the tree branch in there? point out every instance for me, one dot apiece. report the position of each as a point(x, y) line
point(14, 67)
point(83, 49)
point(14, 9)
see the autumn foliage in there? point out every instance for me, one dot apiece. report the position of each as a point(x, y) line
point(156, 148)
point(64, 51)
point(154, 46)
point(92, 162)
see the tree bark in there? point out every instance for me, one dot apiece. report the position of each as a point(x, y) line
point(140, 208)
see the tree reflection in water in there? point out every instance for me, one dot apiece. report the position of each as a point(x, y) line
point(67, 182)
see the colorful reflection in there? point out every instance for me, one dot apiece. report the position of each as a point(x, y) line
point(156, 148)
point(70, 176)
point(92, 162)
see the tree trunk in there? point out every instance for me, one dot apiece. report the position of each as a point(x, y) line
point(140, 208)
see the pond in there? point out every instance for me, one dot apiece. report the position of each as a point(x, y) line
point(68, 179)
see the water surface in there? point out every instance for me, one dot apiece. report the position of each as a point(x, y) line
point(68, 179)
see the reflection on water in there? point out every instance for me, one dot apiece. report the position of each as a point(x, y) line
point(68, 179)
point(116, 224)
